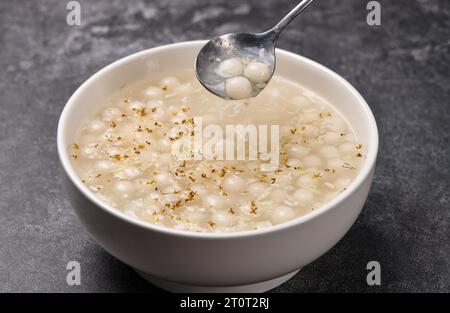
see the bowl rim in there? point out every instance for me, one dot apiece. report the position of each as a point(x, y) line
point(75, 180)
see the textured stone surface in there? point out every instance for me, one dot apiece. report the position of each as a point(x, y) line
point(401, 68)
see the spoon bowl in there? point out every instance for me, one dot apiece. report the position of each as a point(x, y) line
point(245, 46)
point(248, 47)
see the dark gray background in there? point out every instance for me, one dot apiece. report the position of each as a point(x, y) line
point(400, 67)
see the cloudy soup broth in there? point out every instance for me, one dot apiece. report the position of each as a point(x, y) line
point(124, 155)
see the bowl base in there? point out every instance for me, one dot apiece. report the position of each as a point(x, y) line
point(186, 288)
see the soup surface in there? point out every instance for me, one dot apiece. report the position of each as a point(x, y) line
point(124, 154)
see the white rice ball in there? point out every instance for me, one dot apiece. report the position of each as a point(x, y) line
point(97, 126)
point(153, 91)
point(304, 196)
point(223, 218)
point(214, 201)
point(105, 165)
point(233, 183)
point(257, 72)
point(306, 181)
point(124, 188)
point(230, 67)
point(282, 214)
point(257, 189)
point(238, 87)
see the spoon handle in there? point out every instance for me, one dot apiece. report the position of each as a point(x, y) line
point(277, 29)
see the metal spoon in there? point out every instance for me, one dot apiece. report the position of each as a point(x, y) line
point(247, 46)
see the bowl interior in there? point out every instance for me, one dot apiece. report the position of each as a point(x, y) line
point(310, 74)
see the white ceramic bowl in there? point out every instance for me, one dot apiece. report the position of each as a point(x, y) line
point(252, 261)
